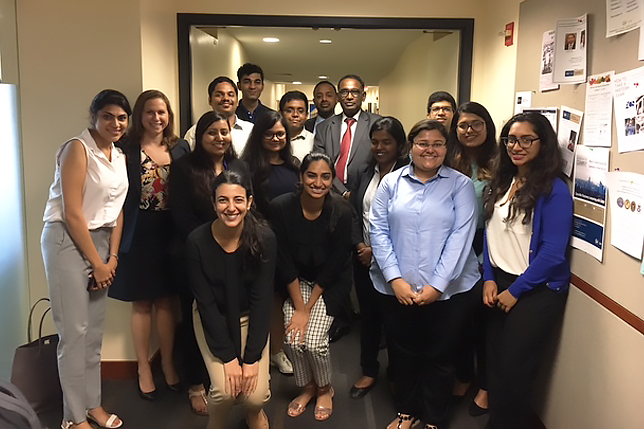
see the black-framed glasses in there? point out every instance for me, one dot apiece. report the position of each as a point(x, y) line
point(279, 135)
point(445, 109)
point(525, 142)
point(476, 126)
point(425, 145)
point(355, 92)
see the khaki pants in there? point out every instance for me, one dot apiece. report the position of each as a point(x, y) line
point(220, 402)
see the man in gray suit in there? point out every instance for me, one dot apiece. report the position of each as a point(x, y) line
point(345, 137)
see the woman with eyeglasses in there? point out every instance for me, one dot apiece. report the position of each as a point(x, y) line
point(423, 221)
point(274, 172)
point(528, 214)
point(472, 146)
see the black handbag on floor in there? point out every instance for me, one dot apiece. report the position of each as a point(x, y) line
point(35, 368)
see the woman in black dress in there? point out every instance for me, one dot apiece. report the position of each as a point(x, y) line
point(313, 231)
point(388, 144)
point(191, 201)
point(144, 276)
point(275, 172)
point(231, 266)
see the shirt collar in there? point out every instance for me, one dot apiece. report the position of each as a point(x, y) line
point(408, 171)
point(356, 116)
point(86, 135)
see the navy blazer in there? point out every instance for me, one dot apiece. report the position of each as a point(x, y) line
point(357, 196)
point(132, 200)
point(328, 140)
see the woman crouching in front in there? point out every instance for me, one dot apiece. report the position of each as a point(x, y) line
point(231, 265)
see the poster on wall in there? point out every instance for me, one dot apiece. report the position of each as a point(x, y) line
point(599, 110)
point(568, 135)
point(551, 113)
point(622, 16)
point(629, 109)
point(522, 100)
point(626, 198)
point(570, 50)
point(547, 62)
point(589, 198)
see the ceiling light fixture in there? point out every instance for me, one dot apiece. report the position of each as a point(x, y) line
point(297, 82)
point(325, 41)
point(271, 39)
point(323, 77)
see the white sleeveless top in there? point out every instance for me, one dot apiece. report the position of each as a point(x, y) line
point(104, 190)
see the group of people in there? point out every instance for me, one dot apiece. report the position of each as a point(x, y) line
point(262, 221)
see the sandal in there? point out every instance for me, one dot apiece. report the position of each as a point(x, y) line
point(323, 413)
point(295, 409)
point(110, 423)
point(198, 394)
point(263, 421)
point(404, 418)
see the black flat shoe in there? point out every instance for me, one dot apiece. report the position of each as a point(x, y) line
point(174, 387)
point(360, 392)
point(338, 331)
point(476, 411)
point(147, 396)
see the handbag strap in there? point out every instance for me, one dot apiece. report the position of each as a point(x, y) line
point(13, 400)
point(31, 313)
point(42, 319)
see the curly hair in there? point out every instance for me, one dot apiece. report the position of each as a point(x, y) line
point(544, 169)
point(457, 157)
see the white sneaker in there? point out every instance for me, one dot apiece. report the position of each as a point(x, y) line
point(282, 363)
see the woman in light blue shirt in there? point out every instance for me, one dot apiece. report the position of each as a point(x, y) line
point(423, 221)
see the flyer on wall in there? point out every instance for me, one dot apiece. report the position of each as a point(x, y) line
point(599, 110)
point(522, 100)
point(626, 198)
point(551, 113)
point(589, 198)
point(629, 109)
point(570, 50)
point(622, 16)
point(547, 62)
point(568, 135)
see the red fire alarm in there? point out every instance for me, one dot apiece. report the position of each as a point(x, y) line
point(509, 34)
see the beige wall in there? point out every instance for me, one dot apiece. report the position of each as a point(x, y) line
point(71, 49)
point(425, 66)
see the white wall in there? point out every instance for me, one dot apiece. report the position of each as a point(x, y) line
point(425, 66)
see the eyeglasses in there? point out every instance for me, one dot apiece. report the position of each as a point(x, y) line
point(354, 92)
point(271, 136)
point(476, 126)
point(434, 146)
point(445, 109)
point(524, 142)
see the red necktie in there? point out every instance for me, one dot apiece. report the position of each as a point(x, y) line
point(345, 146)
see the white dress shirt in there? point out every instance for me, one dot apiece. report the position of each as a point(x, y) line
point(302, 144)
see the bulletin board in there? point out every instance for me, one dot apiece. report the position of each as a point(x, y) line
point(618, 276)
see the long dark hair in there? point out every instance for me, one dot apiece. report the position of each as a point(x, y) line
point(333, 202)
point(456, 157)
point(256, 156)
point(203, 173)
point(136, 125)
point(250, 244)
point(544, 169)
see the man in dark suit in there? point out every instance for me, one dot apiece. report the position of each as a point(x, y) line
point(345, 137)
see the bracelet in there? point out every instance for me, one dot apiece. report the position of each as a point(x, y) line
point(115, 255)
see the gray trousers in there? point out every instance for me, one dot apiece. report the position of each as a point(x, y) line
point(78, 316)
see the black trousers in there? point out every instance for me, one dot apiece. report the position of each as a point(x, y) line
point(515, 344)
point(422, 341)
point(371, 319)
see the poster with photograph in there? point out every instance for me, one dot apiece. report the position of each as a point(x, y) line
point(622, 16)
point(599, 110)
point(547, 62)
point(522, 100)
point(589, 197)
point(628, 101)
point(568, 135)
point(570, 50)
point(626, 197)
point(551, 113)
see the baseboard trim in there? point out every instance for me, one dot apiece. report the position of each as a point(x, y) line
point(123, 369)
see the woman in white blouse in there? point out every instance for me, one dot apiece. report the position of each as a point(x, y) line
point(80, 243)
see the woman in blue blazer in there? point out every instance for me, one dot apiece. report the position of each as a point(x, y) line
point(526, 267)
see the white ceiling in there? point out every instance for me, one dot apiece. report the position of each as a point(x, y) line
point(299, 56)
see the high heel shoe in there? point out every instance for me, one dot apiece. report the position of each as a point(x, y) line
point(176, 387)
point(147, 396)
